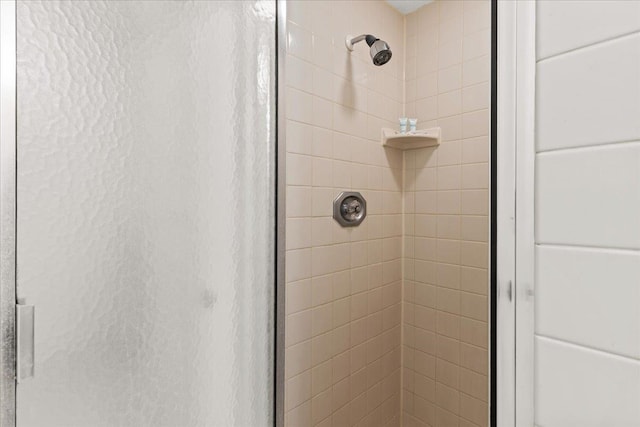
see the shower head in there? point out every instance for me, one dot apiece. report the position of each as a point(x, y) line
point(378, 49)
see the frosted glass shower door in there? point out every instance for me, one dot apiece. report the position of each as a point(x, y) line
point(145, 221)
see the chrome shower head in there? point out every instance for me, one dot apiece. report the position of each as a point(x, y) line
point(380, 52)
point(378, 49)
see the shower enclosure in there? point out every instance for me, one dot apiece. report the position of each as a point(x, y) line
point(138, 212)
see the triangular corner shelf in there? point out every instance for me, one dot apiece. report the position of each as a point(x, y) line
point(411, 140)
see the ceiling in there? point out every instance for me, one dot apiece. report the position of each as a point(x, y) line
point(408, 6)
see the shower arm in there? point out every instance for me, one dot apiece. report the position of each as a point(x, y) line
point(350, 41)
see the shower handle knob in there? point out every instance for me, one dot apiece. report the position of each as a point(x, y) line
point(349, 208)
point(352, 206)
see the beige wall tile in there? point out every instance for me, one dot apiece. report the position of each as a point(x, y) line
point(427, 108)
point(425, 272)
point(425, 341)
point(298, 296)
point(474, 280)
point(448, 276)
point(475, 150)
point(473, 332)
point(300, 415)
point(321, 348)
point(426, 225)
point(425, 387)
point(448, 300)
point(448, 324)
point(321, 378)
point(450, 29)
point(450, 103)
point(426, 179)
point(475, 123)
point(475, 71)
point(425, 248)
point(321, 406)
point(474, 384)
point(476, 97)
point(425, 364)
point(300, 327)
point(449, 79)
point(299, 136)
point(299, 106)
point(298, 390)
point(425, 295)
point(450, 53)
point(425, 318)
point(474, 306)
point(474, 202)
point(448, 177)
point(300, 233)
point(476, 15)
point(447, 373)
point(448, 398)
point(426, 202)
point(476, 44)
point(341, 394)
point(298, 359)
point(448, 202)
point(474, 254)
point(474, 410)
point(424, 410)
point(344, 280)
point(451, 130)
point(428, 85)
point(474, 358)
point(341, 312)
point(474, 228)
point(475, 176)
point(426, 158)
point(465, 423)
point(448, 226)
point(448, 251)
point(450, 152)
point(446, 418)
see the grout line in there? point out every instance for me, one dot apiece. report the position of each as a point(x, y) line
point(630, 251)
point(588, 348)
point(590, 45)
point(588, 147)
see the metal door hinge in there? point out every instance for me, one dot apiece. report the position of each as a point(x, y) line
point(25, 323)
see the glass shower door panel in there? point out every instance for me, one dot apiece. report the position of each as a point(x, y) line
point(146, 160)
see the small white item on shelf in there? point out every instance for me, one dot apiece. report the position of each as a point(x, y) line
point(403, 124)
point(412, 125)
point(420, 138)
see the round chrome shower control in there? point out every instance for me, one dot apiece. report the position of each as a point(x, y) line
point(349, 208)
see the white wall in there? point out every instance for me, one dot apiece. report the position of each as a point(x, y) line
point(587, 214)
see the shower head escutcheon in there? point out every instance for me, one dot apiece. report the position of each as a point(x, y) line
point(379, 49)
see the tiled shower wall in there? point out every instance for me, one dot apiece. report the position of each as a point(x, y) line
point(344, 286)
point(445, 311)
point(343, 291)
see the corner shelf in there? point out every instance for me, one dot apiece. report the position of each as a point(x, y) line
point(411, 140)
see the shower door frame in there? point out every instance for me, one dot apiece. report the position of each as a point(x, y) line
point(515, 193)
point(7, 213)
point(281, 214)
point(8, 196)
